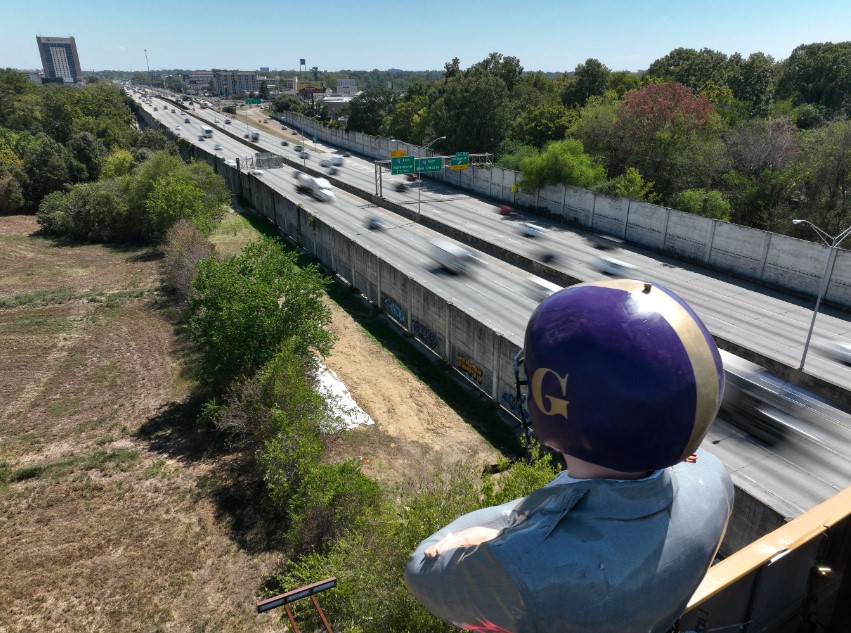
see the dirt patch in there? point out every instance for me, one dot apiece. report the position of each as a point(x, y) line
point(107, 517)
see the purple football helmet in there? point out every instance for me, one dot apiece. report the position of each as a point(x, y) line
point(621, 374)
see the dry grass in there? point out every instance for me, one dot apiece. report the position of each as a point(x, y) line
point(107, 522)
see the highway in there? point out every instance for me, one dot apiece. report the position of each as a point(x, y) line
point(792, 476)
point(769, 322)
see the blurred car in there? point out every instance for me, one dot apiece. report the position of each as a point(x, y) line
point(201, 137)
point(176, 127)
point(186, 119)
point(298, 148)
point(613, 267)
point(539, 289)
point(230, 162)
point(256, 172)
point(374, 223)
point(604, 242)
point(284, 143)
point(506, 209)
point(527, 229)
point(217, 146)
point(227, 121)
point(836, 350)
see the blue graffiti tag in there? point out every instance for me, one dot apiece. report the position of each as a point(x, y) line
point(425, 334)
point(395, 310)
point(511, 401)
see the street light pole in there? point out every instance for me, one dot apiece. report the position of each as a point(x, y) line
point(419, 175)
point(832, 243)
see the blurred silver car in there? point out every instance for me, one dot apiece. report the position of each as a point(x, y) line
point(613, 267)
point(837, 350)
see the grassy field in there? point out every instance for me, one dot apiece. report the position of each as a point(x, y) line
point(114, 511)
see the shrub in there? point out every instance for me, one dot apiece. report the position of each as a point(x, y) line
point(184, 246)
point(710, 204)
point(245, 306)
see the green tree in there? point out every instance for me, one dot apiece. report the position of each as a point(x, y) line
point(754, 81)
point(825, 169)
point(537, 126)
point(264, 90)
point(819, 74)
point(245, 306)
point(561, 163)
point(366, 111)
point(709, 204)
point(691, 68)
point(631, 185)
point(88, 212)
point(595, 128)
point(118, 163)
point(87, 155)
point(472, 112)
point(589, 79)
point(623, 81)
point(409, 121)
point(46, 168)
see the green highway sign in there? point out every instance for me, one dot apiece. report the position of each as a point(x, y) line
point(252, 102)
point(429, 164)
point(314, 139)
point(402, 165)
point(463, 156)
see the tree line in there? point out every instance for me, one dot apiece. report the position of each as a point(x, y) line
point(745, 139)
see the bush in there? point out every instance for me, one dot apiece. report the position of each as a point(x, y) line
point(245, 307)
point(184, 246)
point(88, 212)
point(709, 204)
point(560, 163)
point(369, 560)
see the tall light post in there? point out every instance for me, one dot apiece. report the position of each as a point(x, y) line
point(832, 242)
point(419, 175)
point(148, 66)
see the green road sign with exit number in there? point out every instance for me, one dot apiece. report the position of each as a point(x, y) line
point(429, 164)
point(402, 165)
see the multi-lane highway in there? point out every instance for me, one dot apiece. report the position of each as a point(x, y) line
point(810, 465)
point(769, 322)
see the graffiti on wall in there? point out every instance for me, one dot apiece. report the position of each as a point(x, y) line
point(470, 368)
point(511, 402)
point(395, 310)
point(425, 334)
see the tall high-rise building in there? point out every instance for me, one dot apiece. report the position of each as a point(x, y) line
point(59, 58)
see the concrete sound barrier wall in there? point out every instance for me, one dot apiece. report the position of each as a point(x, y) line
point(738, 250)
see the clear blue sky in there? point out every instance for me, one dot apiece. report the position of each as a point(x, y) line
point(549, 35)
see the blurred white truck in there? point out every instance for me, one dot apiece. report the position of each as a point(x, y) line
point(450, 256)
point(319, 188)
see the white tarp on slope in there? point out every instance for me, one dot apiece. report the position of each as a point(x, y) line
point(345, 412)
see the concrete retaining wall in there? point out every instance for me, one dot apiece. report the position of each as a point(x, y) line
point(734, 249)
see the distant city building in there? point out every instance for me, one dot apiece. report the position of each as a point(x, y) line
point(230, 83)
point(197, 82)
point(347, 86)
point(59, 59)
point(288, 86)
point(271, 84)
point(335, 104)
point(264, 69)
point(34, 76)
